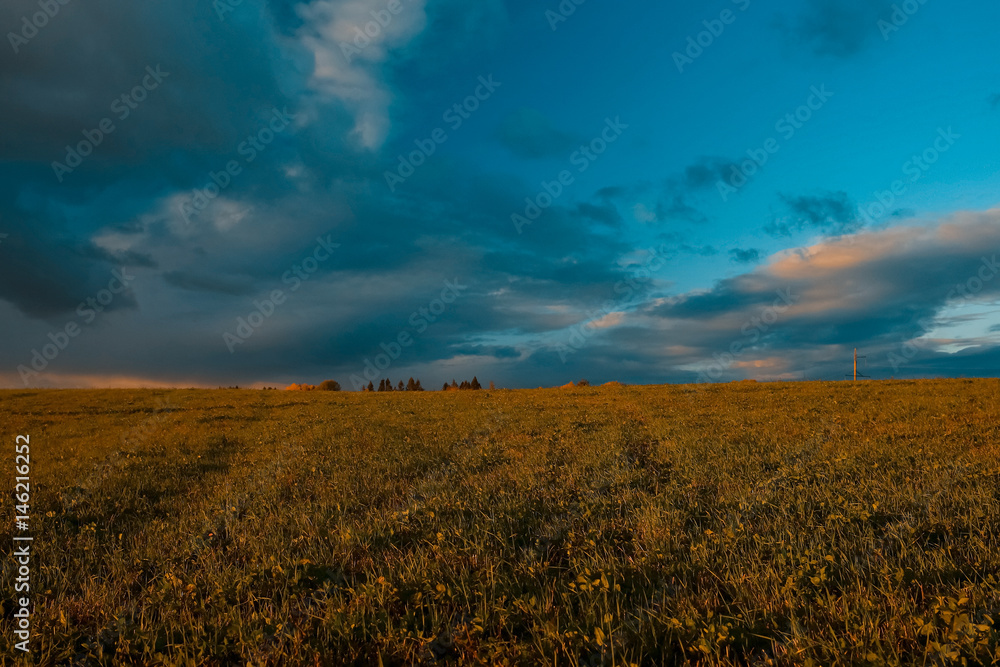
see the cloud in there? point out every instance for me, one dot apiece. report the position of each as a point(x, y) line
point(677, 207)
point(60, 85)
point(748, 256)
point(47, 270)
point(840, 28)
point(705, 173)
point(350, 46)
point(529, 134)
point(831, 213)
point(205, 283)
point(675, 201)
point(495, 351)
point(607, 213)
point(324, 175)
point(612, 192)
point(869, 290)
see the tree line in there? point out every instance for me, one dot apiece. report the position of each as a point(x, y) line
point(387, 385)
point(414, 385)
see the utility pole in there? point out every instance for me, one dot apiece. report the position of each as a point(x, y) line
point(856, 357)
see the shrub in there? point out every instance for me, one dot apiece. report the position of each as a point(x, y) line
point(329, 385)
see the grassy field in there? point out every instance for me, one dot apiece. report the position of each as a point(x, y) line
point(778, 524)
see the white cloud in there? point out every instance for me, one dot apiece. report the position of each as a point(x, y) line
point(351, 42)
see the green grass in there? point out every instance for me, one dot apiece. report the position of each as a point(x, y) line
point(778, 524)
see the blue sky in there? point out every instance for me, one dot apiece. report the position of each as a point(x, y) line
point(639, 270)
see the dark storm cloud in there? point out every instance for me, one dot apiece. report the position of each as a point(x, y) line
point(48, 271)
point(202, 283)
point(209, 94)
point(530, 134)
point(840, 28)
point(159, 109)
point(747, 256)
point(831, 213)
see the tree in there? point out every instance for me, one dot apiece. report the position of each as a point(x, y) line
point(411, 385)
point(475, 383)
point(401, 387)
point(329, 385)
point(492, 386)
point(582, 383)
point(381, 385)
point(445, 387)
point(418, 387)
point(454, 385)
point(371, 387)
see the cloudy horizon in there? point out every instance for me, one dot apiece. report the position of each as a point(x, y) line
point(261, 193)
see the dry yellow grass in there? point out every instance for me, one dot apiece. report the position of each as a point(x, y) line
point(769, 523)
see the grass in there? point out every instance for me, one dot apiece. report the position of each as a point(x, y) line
point(779, 524)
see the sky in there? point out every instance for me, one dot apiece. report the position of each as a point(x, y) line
point(256, 193)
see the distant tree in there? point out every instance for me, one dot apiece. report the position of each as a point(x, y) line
point(411, 385)
point(417, 387)
point(475, 383)
point(492, 386)
point(401, 386)
point(371, 387)
point(445, 387)
point(329, 385)
point(381, 385)
point(582, 383)
point(454, 385)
